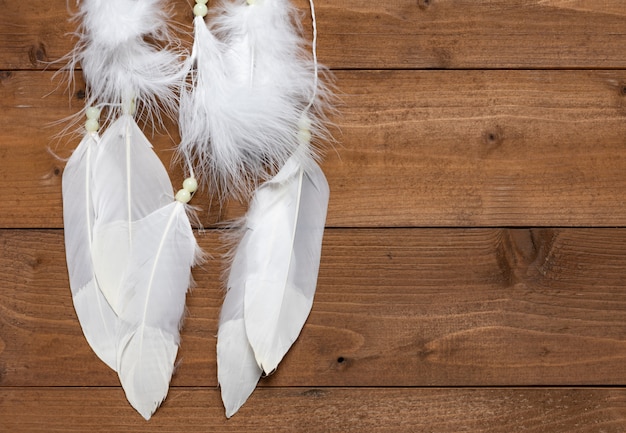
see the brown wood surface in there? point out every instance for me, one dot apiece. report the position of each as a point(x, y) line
point(416, 148)
point(476, 239)
point(317, 410)
point(406, 307)
point(398, 34)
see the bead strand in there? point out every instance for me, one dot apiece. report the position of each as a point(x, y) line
point(190, 186)
point(93, 114)
point(304, 130)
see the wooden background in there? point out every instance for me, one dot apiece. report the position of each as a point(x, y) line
point(473, 276)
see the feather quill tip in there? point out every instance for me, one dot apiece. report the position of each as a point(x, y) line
point(146, 381)
point(238, 372)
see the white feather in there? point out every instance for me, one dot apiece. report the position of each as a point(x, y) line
point(237, 369)
point(143, 249)
point(119, 65)
point(153, 297)
point(129, 183)
point(282, 249)
point(272, 278)
point(97, 318)
point(115, 22)
point(249, 90)
point(200, 101)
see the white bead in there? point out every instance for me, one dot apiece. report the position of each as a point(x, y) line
point(304, 136)
point(92, 113)
point(200, 10)
point(202, 2)
point(251, 2)
point(304, 123)
point(92, 125)
point(183, 196)
point(190, 184)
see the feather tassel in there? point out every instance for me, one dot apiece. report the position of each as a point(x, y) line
point(139, 239)
point(274, 269)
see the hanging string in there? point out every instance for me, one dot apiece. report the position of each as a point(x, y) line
point(314, 53)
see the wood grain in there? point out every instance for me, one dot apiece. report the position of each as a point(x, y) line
point(322, 410)
point(471, 248)
point(416, 148)
point(399, 34)
point(406, 307)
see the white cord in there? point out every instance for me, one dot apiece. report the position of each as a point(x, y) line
point(314, 52)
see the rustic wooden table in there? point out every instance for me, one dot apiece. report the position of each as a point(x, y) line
point(473, 275)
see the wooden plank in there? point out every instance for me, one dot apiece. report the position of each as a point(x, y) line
point(322, 410)
point(416, 148)
point(480, 148)
point(406, 307)
point(399, 34)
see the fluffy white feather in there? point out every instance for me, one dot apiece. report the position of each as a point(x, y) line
point(153, 297)
point(272, 279)
point(115, 22)
point(250, 87)
point(129, 183)
point(118, 63)
point(96, 317)
point(199, 101)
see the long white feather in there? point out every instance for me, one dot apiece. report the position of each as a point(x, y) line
point(143, 250)
point(163, 251)
point(282, 249)
point(251, 86)
point(272, 278)
point(129, 184)
point(96, 317)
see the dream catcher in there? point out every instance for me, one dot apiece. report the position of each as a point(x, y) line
point(249, 102)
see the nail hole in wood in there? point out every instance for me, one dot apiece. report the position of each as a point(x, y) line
point(423, 4)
